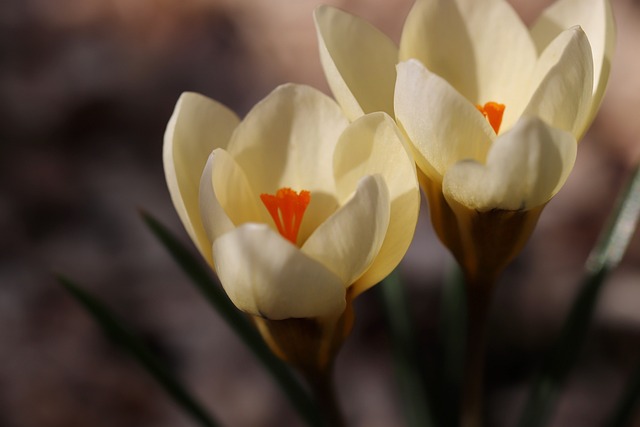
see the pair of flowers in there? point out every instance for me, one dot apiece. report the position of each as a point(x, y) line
point(307, 202)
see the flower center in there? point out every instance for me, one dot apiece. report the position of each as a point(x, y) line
point(492, 111)
point(287, 209)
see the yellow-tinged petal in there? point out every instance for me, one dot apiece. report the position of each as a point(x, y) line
point(198, 126)
point(288, 140)
point(358, 61)
point(265, 275)
point(481, 48)
point(596, 19)
point(563, 79)
point(525, 168)
point(214, 218)
point(349, 240)
point(435, 34)
point(374, 145)
point(441, 124)
point(226, 199)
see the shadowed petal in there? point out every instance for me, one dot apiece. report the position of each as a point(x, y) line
point(265, 275)
point(374, 145)
point(358, 61)
point(564, 75)
point(198, 126)
point(596, 19)
point(349, 240)
point(525, 168)
point(226, 199)
point(441, 124)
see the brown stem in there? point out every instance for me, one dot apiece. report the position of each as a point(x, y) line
point(322, 387)
point(478, 301)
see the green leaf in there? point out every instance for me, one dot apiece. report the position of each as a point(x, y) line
point(623, 413)
point(134, 346)
point(215, 295)
point(606, 255)
point(405, 353)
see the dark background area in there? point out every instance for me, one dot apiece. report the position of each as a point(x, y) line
point(86, 89)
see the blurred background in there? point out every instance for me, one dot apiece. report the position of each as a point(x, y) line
point(86, 89)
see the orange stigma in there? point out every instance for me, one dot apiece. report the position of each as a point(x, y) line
point(287, 209)
point(492, 111)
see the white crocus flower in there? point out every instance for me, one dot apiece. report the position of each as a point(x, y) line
point(493, 109)
point(298, 209)
point(481, 48)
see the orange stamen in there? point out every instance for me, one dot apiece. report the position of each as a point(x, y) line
point(287, 208)
point(492, 111)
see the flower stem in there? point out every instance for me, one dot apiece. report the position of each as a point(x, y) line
point(321, 384)
point(478, 301)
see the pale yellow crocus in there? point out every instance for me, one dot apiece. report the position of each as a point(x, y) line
point(297, 209)
point(487, 175)
point(482, 48)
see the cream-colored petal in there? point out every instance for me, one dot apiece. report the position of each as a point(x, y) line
point(374, 145)
point(481, 48)
point(504, 52)
point(441, 124)
point(226, 199)
point(435, 34)
point(288, 140)
point(349, 240)
point(359, 62)
point(198, 126)
point(596, 18)
point(563, 77)
point(214, 218)
point(265, 275)
point(525, 168)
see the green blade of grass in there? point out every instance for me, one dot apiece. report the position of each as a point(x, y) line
point(405, 353)
point(202, 279)
point(134, 346)
point(605, 256)
point(622, 415)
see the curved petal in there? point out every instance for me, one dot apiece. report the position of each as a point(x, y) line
point(504, 51)
point(265, 275)
point(349, 240)
point(374, 145)
point(288, 140)
point(481, 48)
point(441, 124)
point(435, 34)
point(563, 77)
point(215, 220)
point(525, 168)
point(198, 126)
point(596, 19)
point(358, 60)
point(226, 199)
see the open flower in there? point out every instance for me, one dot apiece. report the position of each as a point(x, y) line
point(298, 210)
point(482, 49)
point(493, 109)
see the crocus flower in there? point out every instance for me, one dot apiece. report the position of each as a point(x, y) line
point(298, 210)
point(492, 108)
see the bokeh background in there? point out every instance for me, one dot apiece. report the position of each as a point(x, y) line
point(86, 89)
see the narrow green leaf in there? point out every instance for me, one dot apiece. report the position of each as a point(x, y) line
point(134, 346)
point(215, 295)
point(405, 353)
point(606, 255)
point(622, 415)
